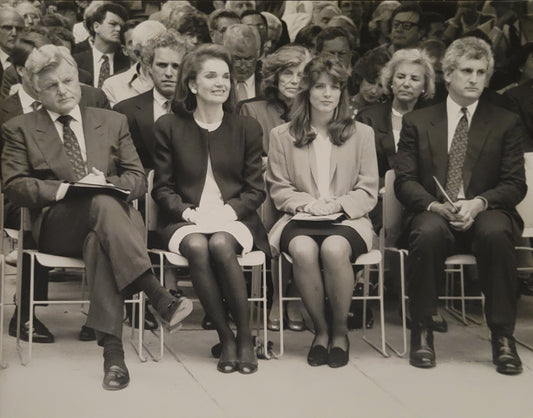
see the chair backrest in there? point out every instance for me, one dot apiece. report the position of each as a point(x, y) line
point(525, 207)
point(392, 212)
point(151, 206)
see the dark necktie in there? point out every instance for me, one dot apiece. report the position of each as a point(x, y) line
point(35, 105)
point(72, 148)
point(105, 70)
point(456, 157)
point(514, 37)
point(167, 106)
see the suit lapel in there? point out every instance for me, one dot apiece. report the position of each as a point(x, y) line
point(145, 115)
point(438, 142)
point(477, 135)
point(95, 146)
point(51, 147)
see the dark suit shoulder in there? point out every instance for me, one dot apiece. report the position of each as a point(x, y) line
point(374, 112)
point(131, 103)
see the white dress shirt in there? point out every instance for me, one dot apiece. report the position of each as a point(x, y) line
point(76, 125)
point(322, 149)
point(97, 64)
point(26, 100)
point(4, 59)
point(159, 105)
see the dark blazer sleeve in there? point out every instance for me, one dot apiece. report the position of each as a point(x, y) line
point(407, 185)
point(22, 187)
point(164, 192)
point(253, 191)
point(510, 188)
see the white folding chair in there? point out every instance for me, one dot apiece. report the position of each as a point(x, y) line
point(55, 261)
point(3, 365)
point(392, 224)
point(254, 261)
point(372, 258)
point(525, 209)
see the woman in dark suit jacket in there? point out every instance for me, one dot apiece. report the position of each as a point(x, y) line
point(322, 163)
point(208, 185)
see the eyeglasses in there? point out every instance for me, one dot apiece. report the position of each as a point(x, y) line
point(9, 28)
point(396, 24)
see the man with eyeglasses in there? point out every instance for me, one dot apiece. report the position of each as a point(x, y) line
point(219, 20)
point(407, 28)
point(243, 43)
point(11, 24)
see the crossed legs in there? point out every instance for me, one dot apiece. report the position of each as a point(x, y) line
point(216, 276)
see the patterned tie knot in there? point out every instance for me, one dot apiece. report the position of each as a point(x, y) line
point(464, 110)
point(65, 120)
point(35, 105)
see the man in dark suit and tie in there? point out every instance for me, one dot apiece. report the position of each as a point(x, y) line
point(474, 149)
point(24, 101)
point(62, 143)
point(105, 56)
point(11, 24)
point(162, 56)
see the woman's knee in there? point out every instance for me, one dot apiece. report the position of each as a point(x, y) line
point(303, 249)
point(194, 245)
point(335, 250)
point(222, 245)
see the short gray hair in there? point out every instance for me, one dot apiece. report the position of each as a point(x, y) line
point(45, 58)
point(414, 56)
point(242, 35)
point(469, 47)
point(144, 32)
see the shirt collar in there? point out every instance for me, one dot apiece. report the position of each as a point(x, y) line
point(455, 109)
point(98, 55)
point(75, 113)
point(250, 81)
point(25, 99)
point(3, 58)
point(159, 98)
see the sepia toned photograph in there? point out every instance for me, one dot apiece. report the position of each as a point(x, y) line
point(264, 208)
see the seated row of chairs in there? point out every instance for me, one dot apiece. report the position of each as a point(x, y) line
point(256, 262)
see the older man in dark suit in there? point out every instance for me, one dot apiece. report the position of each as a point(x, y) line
point(62, 143)
point(474, 149)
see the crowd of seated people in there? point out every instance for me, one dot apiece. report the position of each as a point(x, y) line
point(279, 108)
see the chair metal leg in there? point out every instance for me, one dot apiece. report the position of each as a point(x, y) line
point(381, 348)
point(3, 364)
point(403, 308)
point(461, 314)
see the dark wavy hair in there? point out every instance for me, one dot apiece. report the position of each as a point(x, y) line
point(184, 102)
point(341, 126)
point(273, 65)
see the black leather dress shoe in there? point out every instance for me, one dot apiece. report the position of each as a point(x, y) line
point(87, 334)
point(422, 353)
point(41, 334)
point(504, 355)
point(116, 378)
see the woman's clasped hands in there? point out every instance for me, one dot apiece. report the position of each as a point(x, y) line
point(323, 206)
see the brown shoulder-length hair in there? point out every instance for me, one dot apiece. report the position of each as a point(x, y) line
point(342, 125)
point(184, 102)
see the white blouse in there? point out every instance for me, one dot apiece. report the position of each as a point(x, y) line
point(322, 148)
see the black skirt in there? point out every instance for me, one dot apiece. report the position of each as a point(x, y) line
point(319, 231)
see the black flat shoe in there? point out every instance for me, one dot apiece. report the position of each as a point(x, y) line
point(505, 357)
point(246, 367)
point(216, 350)
point(86, 334)
point(207, 322)
point(338, 357)
point(228, 366)
point(317, 356)
point(41, 334)
point(422, 352)
point(116, 378)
